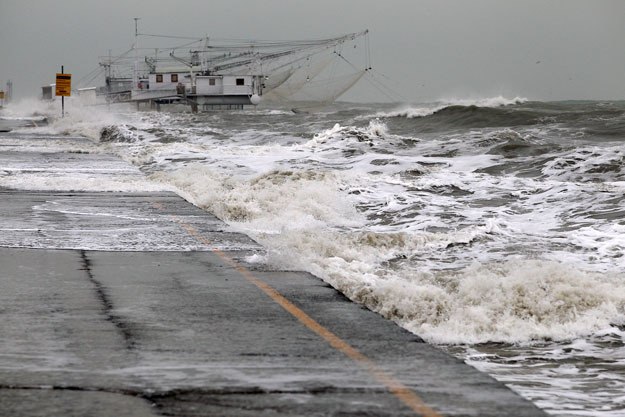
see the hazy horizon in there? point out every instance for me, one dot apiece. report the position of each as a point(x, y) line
point(429, 50)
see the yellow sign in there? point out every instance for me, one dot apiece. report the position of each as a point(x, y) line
point(63, 84)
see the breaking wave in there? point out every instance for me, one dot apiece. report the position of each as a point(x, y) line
point(504, 225)
point(413, 112)
point(509, 301)
point(318, 211)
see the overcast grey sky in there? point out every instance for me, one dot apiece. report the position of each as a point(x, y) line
point(430, 49)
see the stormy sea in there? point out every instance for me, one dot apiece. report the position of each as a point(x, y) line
point(493, 228)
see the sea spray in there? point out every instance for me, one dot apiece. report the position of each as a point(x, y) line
point(511, 301)
point(471, 223)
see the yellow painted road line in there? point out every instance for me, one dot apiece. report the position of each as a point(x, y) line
point(402, 392)
point(398, 389)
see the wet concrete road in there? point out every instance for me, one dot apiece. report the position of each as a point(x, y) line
point(139, 304)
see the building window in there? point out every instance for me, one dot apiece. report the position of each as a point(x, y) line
point(240, 81)
point(159, 78)
point(174, 78)
point(211, 81)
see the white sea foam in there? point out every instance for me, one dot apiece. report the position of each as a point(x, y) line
point(29, 108)
point(412, 112)
point(497, 101)
point(512, 301)
point(71, 172)
point(454, 243)
point(79, 120)
point(80, 163)
point(299, 215)
point(78, 182)
point(271, 202)
point(308, 219)
point(588, 164)
point(518, 301)
point(580, 374)
point(349, 138)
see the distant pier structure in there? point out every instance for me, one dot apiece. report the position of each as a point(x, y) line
point(206, 92)
point(209, 74)
point(213, 74)
point(6, 94)
point(181, 80)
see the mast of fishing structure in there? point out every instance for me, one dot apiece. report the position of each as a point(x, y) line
point(135, 75)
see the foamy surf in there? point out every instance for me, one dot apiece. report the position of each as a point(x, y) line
point(507, 301)
point(485, 226)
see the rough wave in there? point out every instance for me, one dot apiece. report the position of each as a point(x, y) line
point(79, 120)
point(589, 164)
point(312, 212)
point(510, 301)
point(472, 222)
point(413, 112)
point(350, 135)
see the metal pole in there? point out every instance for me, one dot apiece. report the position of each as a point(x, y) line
point(135, 75)
point(62, 99)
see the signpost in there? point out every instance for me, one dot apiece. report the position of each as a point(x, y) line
point(63, 87)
